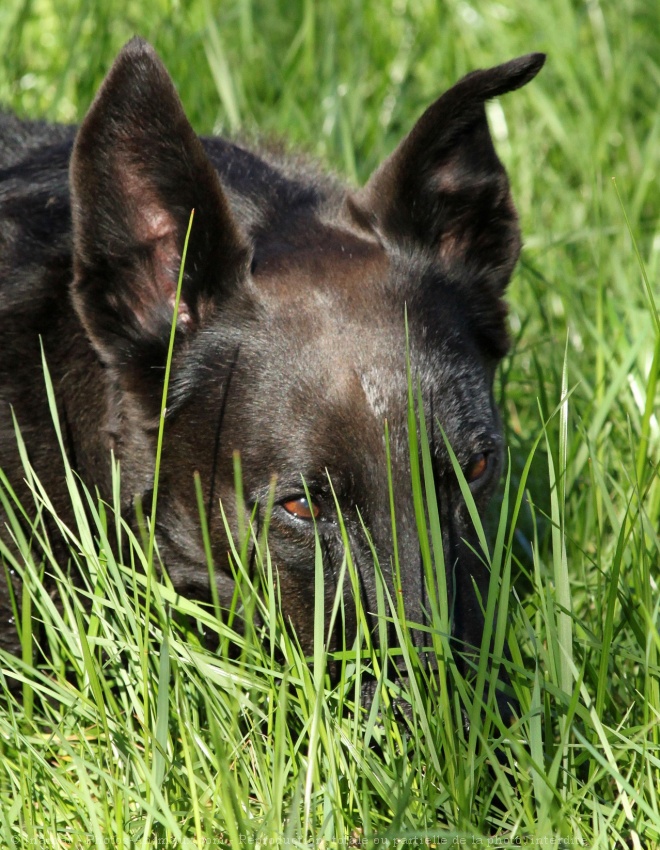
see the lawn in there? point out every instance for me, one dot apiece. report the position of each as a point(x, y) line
point(134, 733)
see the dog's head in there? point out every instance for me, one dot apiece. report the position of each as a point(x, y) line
point(291, 338)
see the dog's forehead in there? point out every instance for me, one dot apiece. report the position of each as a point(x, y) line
point(330, 304)
point(335, 311)
point(316, 264)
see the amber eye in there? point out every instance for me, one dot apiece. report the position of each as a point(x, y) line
point(477, 467)
point(301, 508)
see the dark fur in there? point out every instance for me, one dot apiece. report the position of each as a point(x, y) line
point(291, 343)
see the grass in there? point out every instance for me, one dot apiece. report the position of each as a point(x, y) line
point(137, 734)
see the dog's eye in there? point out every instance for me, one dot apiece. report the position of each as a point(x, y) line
point(301, 508)
point(477, 467)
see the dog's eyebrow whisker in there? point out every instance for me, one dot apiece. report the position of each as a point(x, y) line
point(218, 429)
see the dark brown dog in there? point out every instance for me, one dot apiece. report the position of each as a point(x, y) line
point(290, 345)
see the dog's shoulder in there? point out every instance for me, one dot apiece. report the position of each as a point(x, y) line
point(22, 141)
point(35, 219)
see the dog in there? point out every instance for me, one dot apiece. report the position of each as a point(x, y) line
point(290, 342)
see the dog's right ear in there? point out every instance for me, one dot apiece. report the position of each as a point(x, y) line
point(137, 171)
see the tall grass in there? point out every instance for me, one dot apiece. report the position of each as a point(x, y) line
point(255, 745)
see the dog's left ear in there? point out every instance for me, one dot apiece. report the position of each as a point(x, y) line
point(444, 188)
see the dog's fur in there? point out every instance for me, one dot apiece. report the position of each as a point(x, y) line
point(290, 345)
